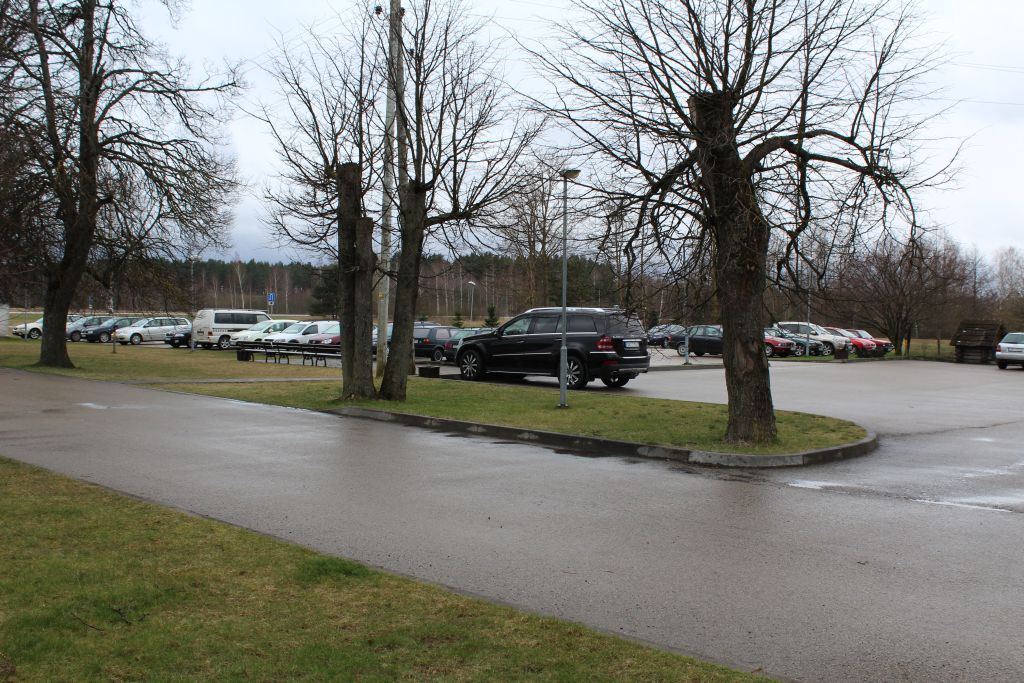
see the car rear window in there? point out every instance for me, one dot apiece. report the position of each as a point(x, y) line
point(1014, 338)
point(622, 325)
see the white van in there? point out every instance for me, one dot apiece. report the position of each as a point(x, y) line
point(214, 326)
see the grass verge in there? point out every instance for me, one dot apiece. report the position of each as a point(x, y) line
point(97, 586)
point(603, 414)
point(152, 361)
point(599, 414)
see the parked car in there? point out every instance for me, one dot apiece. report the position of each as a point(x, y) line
point(150, 329)
point(665, 336)
point(328, 335)
point(452, 346)
point(180, 338)
point(34, 329)
point(777, 346)
point(830, 342)
point(428, 342)
point(802, 346)
point(859, 346)
point(215, 326)
point(703, 339)
point(1010, 350)
point(75, 329)
point(605, 344)
point(103, 331)
point(299, 332)
point(884, 346)
point(257, 332)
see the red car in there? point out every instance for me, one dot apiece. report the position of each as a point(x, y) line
point(860, 346)
point(777, 346)
point(884, 346)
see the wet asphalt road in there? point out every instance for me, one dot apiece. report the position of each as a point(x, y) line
point(903, 565)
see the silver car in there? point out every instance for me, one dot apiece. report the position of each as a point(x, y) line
point(1010, 350)
point(151, 329)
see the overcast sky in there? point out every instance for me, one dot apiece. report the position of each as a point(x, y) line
point(985, 77)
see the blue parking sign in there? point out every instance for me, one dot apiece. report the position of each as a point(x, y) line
point(271, 298)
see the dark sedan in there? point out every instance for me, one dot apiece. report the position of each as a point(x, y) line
point(704, 339)
point(103, 333)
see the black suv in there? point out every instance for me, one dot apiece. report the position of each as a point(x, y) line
point(601, 343)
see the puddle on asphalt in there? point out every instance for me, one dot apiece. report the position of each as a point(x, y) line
point(97, 406)
point(955, 504)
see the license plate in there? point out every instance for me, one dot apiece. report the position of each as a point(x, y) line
point(632, 344)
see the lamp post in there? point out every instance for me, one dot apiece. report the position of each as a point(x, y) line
point(472, 291)
point(567, 175)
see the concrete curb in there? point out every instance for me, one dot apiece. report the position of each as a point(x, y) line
point(596, 447)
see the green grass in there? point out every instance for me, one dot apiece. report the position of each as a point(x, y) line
point(100, 587)
point(599, 413)
point(156, 362)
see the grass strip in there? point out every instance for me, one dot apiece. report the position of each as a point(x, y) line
point(604, 414)
point(98, 586)
point(601, 414)
point(150, 361)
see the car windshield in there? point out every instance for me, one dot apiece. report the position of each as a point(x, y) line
point(1014, 338)
point(261, 326)
point(332, 329)
point(863, 334)
point(297, 327)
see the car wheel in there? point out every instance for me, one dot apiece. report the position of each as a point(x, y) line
point(798, 350)
point(174, 343)
point(681, 349)
point(1002, 364)
point(471, 365)
point(224, 343)
point(76, 336)
point(615, 382)
point(769, 350)
point(827, 349)
point(136, 339)
point(438, 355)
point(575, 373)
point(207, 346)
point(35, 333)
point(664, 343)
point(105, 337)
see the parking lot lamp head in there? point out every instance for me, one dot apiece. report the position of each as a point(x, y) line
point(563, 357)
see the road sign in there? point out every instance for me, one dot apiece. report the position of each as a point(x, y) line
point(271, 298)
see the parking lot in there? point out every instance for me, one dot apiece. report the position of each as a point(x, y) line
point(901, 565)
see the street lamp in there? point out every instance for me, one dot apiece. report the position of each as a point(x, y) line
point(471, 293)
point(567, 175)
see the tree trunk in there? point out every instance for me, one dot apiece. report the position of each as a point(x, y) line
point(741, 247)
point(356, 264)
point(412, 209)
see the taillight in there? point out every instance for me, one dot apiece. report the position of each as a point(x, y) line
point(605, 343)
point(999, 347)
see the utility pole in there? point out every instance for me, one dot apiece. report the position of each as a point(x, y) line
point(394, 80)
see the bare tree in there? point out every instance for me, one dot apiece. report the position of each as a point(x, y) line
point(724, 120)
point(109, 116)
point(894, 286)
point(328, 132)
point(460, 140)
